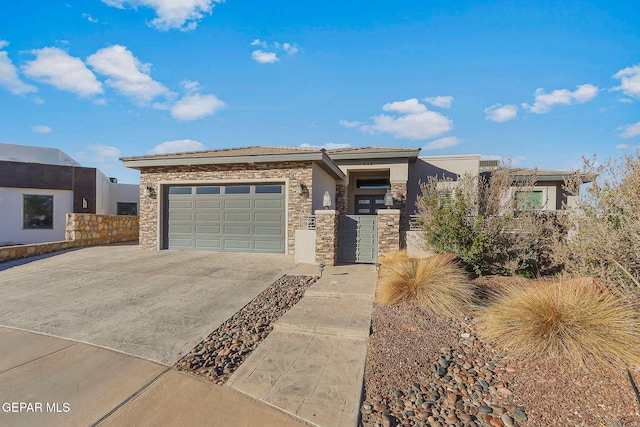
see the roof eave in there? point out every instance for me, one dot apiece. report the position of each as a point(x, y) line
point(408, 155)
point(143, 162)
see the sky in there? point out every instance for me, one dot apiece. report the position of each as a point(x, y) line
point(540, 83)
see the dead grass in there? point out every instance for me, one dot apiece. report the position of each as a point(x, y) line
point(437, 284)
point(579, 320)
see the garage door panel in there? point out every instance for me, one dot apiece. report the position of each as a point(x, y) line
point(269, 217)
point(269, 204)
point(268, 231)
point(179, 203)
point(237, 216)
point(249, 221)
point(237, 244)
point(208, 244)
point(208, 229)
point(208, 216)
point(237, 203)
point(208, 204)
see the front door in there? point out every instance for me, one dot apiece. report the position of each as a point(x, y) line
point(369, 205)
point(358, 238)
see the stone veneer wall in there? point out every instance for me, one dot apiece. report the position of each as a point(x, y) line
point(295, 171)
point(81, 230)
point(341, 198)
point(388, 231)
point(327, 237)
point(400, 203)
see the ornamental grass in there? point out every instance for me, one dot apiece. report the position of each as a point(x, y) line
point(437, 283)
point(579, 320)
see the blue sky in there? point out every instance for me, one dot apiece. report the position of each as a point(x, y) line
point(539, 82)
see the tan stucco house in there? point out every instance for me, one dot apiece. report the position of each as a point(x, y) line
point(323, 206)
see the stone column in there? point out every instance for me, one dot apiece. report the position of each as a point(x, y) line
point(388, 231)
point(327, 237)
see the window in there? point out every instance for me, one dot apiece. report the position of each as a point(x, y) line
point(373, 183)
point(125, 208)
point(37, 212)
point(237, 189)
point(207, 190)
point(526, 200)
point(268, 189)
point(180, 190)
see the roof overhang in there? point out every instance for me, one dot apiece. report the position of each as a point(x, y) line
point(409, 155)
point(319, 157)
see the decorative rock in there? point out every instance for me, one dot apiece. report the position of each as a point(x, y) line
point(520, 415)
point(507, 420)
point(485, 409)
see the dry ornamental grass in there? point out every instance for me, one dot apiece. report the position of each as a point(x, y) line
point(578, 320)
point(437, 283)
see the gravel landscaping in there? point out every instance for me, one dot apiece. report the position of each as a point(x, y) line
point(222, 352)
point(425, 370)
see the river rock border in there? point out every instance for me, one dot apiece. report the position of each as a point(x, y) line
point(224, 350)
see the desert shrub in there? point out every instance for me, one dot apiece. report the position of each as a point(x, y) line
point(580, 320)
point(437, 283)
point(605, 228)
point(475, 217)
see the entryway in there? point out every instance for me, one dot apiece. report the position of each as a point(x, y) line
point(358, 238)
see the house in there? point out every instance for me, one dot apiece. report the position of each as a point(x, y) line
point(344, 205)
point(39, 186)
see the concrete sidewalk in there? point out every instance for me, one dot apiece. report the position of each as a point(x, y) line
point(52, 381)
point(312, 364)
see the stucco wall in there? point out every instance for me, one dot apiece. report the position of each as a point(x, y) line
point(439, 166)
point(322, 182)
point(151, 207)
point(108, 194)
point(11, 215)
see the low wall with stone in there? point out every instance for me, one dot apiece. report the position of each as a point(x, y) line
point(81, 230)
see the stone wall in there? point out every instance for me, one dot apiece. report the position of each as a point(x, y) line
point(327, 237)
point(388, 231)
point(293, 171)
point(81, 230)
point(88, 229)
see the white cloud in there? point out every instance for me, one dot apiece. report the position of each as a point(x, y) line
point(264, 57)
point(172, 14)
point(41, 129)
point(629, 131)
point(544, 101)
point(271, 56)
point(622, 146)
point(193, 107)
point(90, 18)
point(9, 75)
point(629, 81)
point(449, 141)
point(258, 42)
point(99, 153)
point(57, 68)
point(501, 113)
point(177, 146)
point(415, 121)
point(348, 124)
point(126, 73)
point(290, 49)
point(440, 101)
point(190, 86)
point(327, 146)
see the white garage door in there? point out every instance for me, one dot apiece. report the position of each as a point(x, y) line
point(233, 218)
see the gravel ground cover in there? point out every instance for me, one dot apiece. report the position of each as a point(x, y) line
point(222, 352)
point(423, 370)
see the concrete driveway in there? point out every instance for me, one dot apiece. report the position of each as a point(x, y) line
point(153, 304)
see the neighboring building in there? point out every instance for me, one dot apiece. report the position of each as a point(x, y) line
point(39, 186)
point(263, 199)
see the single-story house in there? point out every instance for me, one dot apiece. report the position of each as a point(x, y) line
point(39, 186)
point(343, 205)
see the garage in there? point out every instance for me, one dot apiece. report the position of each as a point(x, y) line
point(230, 217)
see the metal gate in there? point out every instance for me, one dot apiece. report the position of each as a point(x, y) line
point(358, 238)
